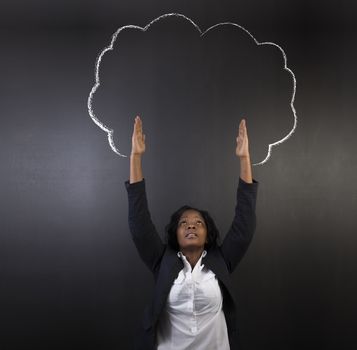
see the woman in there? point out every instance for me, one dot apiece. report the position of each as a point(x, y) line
point(193, 306)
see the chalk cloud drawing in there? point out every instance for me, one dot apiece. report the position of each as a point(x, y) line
point(97, 84)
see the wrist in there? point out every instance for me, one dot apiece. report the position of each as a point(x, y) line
point(245, 157)
point(135, 155)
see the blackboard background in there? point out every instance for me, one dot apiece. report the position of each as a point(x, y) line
point(70, 277)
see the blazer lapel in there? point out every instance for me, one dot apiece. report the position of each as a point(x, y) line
point(170, 266)
point(215, 262)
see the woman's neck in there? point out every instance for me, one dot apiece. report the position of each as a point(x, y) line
point(192, 255)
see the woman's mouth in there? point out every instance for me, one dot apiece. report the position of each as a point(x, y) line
point(191, 235)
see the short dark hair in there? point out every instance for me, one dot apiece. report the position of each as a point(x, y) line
point(171, 228)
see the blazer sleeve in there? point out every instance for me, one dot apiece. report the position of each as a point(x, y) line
point(240, 234)
point(147, 240)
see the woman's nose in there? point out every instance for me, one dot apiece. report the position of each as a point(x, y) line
point(191, 225)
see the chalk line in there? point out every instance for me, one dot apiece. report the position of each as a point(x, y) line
point(110, 131)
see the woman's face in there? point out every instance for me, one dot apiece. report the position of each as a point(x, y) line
point(191, 230)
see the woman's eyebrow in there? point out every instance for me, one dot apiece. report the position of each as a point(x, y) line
point(195, 217)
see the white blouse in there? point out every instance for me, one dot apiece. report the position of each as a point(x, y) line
point(193, 318)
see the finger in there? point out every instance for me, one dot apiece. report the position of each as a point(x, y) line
point(241, 130)
point(140, 124)
point(244, 126)
point(245, 130)
point(137, 125)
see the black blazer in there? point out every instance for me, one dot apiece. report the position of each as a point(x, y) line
point(165, 264)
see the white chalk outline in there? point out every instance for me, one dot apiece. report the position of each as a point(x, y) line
point(110, 47)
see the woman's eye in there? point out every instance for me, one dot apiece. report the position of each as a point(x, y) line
point(199, 222)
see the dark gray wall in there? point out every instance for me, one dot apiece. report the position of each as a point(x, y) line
point(69, 273)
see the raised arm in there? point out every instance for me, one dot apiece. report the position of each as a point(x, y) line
point(145, 236)
point(238, 238)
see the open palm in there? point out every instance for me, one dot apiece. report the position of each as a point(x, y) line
point(138, 138)
point(242, 149)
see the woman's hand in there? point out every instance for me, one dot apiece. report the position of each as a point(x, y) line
point(137, 150)
point(242, 150)
point(138, 138)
